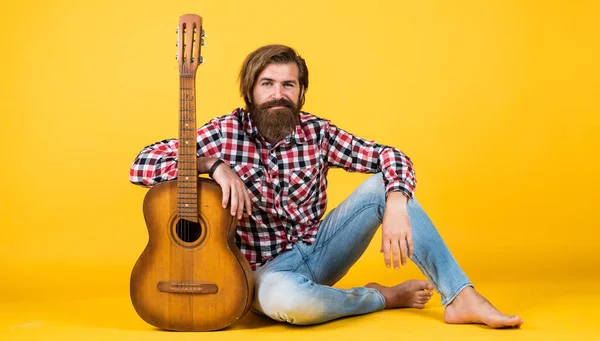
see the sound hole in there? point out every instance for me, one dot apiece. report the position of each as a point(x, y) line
point(188, 231)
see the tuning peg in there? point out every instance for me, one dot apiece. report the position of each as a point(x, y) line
point(177, 30)
point(202, 33)
point(202, 42)
point(177, 56)
point(200, 60)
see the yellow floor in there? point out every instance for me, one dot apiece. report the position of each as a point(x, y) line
point(553, 310)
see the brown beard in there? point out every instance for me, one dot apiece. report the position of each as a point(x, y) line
point(275, 124)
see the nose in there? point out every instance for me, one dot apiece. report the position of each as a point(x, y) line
point(277, 92)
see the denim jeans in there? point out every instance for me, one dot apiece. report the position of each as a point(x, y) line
point(295, 286)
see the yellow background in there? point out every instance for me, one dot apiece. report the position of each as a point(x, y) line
point(496, 102)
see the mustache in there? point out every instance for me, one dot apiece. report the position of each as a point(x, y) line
point(282, 102)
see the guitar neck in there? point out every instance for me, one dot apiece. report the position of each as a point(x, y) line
point(189, 40)
point(187, 172)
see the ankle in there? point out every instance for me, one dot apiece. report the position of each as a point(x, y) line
point(466, 294)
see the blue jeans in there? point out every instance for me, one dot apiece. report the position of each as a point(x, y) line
point(295, 286)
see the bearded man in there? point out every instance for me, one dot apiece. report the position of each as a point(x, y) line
point(271, 160)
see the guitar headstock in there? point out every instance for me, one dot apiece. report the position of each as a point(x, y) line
point(190, 37)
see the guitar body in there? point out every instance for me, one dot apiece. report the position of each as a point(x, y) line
point(190, 285)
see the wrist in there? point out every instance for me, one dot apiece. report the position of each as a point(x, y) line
point(214, 167)
point(204, 164)
point(397, 197)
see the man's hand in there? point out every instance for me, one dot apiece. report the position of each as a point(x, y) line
point(396, 231)
point(234, 189)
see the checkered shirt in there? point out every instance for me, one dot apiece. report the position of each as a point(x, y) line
point(287, 181)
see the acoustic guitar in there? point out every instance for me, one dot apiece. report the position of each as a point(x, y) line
point(191, 276)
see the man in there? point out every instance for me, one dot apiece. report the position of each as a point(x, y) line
point(271, 161)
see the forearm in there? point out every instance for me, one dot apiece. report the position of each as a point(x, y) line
point(356, 154)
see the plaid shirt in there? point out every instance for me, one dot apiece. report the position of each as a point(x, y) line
point(287, 182)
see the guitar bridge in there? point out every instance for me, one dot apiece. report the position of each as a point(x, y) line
point(196, 288)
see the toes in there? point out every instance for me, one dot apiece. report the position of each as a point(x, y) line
point(418, 305)
point(424, 293)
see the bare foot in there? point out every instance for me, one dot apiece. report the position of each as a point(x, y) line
point(470, 307)
point(410, 294)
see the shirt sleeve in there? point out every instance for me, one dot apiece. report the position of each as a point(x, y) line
point(355, 154)
point(158, 162)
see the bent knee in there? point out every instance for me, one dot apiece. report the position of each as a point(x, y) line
point(374, 186)
point(288, 297)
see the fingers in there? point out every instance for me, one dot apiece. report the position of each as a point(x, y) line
point(226, 191)
point(386, 252)
point(396, 252)
point(234, 200)
point(241, 203)
point(234, 192)
point(396, 256)
point(403, 250)
point(239, 199)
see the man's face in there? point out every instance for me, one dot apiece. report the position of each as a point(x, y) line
point(275, 99)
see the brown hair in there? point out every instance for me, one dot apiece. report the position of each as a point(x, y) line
point(270, 54)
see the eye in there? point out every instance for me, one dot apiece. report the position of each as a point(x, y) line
point(267, 83)
point(290, 85)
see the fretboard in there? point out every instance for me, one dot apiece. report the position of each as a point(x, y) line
point(187, 178)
